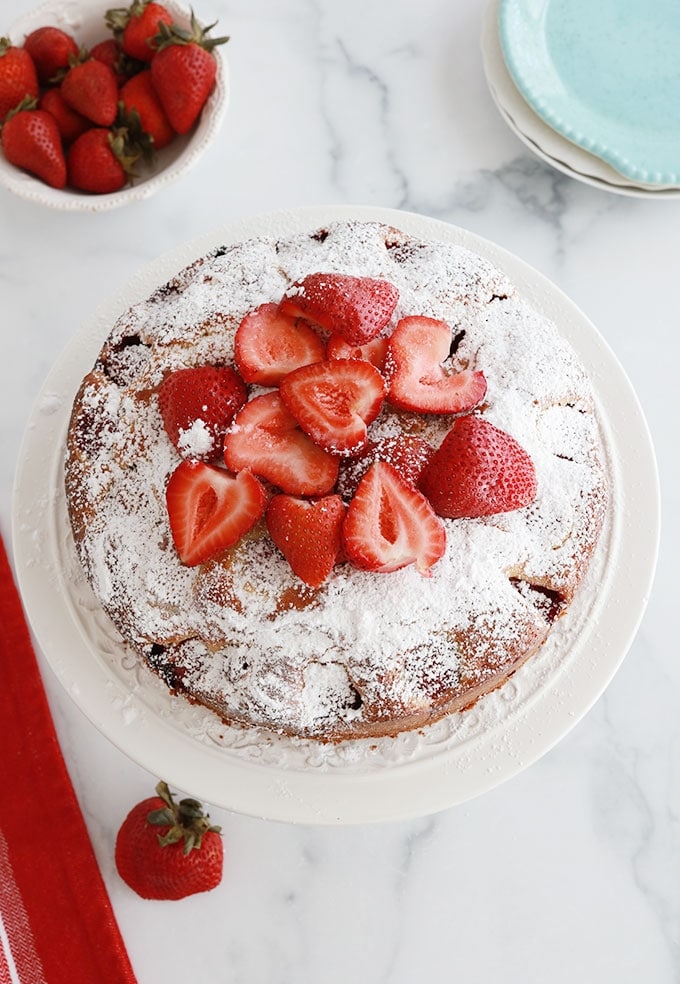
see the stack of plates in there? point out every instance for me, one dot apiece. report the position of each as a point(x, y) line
point(591, 88)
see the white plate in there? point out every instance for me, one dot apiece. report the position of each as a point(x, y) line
point(84, 19)
point(355, 782)
point(541, 138)
point(604, 75)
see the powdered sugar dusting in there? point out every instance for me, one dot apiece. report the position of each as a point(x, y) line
point(241, 633)
point(196, 441)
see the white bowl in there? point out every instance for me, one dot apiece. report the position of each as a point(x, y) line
point(84, 19)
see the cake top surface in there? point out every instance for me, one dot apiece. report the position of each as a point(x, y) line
point(383, 635)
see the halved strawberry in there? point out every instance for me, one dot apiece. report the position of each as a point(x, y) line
point(307, 533)
point(390, 525)
point(197, 405)
point(210, 510)
point(358, 308)
point(335, 401)
point(478, 470)
point(416, 376)
point(407, 453)
point(265, 437)
point(269, 344)
point(373, 351)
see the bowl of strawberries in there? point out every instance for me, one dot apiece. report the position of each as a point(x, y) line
point(101, 105)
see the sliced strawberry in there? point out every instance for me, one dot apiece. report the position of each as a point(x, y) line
point(407, 453)
point(373, 351)
point(478, 470)
point(357, 308)
point(417, 378)
point(307, 533)
point(269, 344)
point(210, 510)
point(335, 401)
point(197, 405)
point(389, 524)
point(265, 437)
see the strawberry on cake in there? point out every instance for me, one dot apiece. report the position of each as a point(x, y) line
point(336, 485)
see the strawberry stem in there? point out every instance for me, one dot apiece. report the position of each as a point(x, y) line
point(185, 820)
point(169, 34)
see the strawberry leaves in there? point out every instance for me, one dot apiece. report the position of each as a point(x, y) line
point(132, 93)
point(167, 849)
point(183, 71)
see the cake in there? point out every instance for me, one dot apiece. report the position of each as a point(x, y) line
point(363, 650)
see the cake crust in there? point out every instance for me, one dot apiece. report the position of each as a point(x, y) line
point(366, 654)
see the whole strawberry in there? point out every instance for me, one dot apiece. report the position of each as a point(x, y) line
point(183, 71)
point(101, 160)
point(90, 87)
point(139, 94)
point(168, 850)
point(197, 405)
point(356, 308)
point(51, 50)
point(31, 140)
point(478, 470)
point(18, 77)
point(136, 27)
point(110, 53)
point(307, 532)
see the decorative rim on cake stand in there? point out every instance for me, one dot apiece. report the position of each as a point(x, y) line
point(254, 772)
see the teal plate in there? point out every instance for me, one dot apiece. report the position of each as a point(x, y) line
point(603, 73)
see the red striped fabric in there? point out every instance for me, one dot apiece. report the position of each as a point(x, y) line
point(57, 925)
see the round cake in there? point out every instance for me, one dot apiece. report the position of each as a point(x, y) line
point(378, 638)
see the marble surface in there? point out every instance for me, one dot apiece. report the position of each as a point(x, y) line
point(568, 871)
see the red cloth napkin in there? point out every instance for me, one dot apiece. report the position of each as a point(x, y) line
point(56, 921)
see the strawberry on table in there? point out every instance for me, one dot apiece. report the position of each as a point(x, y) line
point(478, 470)
point(183, 71)
point(265, 437)
point(307, 532)
point(356, 308)
point(51, 49)
point(334, 402)
point(90, 87)
point(136, 27)
point(197, 405)
point(416, 375)
point(373, 351)
point(390, 525)
point(138, 94)
point(210, 509)
point(169, 850)
point(269, 344)
point(18, 77)
point(101, 161)
point(31, 140)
